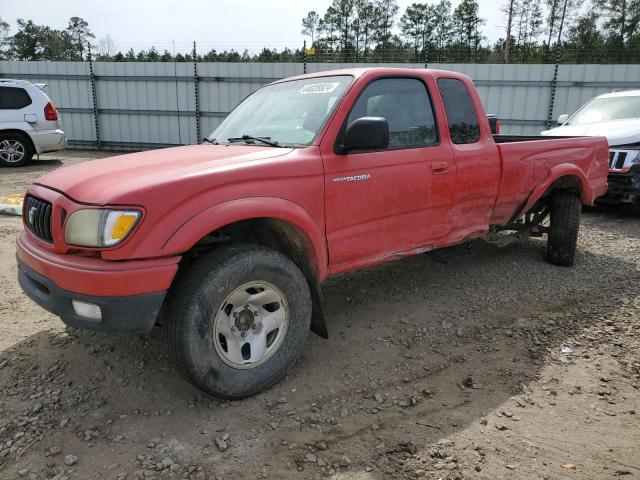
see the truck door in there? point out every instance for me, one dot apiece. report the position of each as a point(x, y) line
point(389, 201)
point(477, 158)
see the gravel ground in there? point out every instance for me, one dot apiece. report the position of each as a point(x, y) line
point(447, 365)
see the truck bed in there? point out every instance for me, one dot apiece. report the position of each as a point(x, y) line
point(527, 162)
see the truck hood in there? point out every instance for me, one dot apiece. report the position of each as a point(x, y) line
point(618, 132)
point(108, 180)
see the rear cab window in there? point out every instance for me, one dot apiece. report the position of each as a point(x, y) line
point(462, 117)
point(14, 98)
point(405, 104)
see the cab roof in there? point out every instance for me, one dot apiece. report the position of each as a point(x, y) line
point(382, 71)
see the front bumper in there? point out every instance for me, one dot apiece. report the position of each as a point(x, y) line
point(622, 187)
point(133, 314)
point(129, 294)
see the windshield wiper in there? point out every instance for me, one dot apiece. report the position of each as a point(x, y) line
point(212, 141)
point(265, 140)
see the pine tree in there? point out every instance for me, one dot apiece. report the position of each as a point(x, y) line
point(4, 34)
point(509, 9)
point(443, 34)
point(79, 31)
point(338, 18)
point(554, 19)
point(467, 23)
point(622, 18)
point(388, 11)
point(310, 25)
point(417, 25)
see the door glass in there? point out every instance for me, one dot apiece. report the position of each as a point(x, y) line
point(461, 115)
point(405, 104)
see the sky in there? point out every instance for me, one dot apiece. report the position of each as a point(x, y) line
point(219, 24)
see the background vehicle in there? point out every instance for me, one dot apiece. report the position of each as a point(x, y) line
point(309, 177)
point(617, 117)
point(29, 123)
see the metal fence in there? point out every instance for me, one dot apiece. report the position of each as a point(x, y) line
point(131, 105)
point(535, 54)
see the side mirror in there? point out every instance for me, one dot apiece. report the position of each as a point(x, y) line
point(562, 119)
point(366, 133)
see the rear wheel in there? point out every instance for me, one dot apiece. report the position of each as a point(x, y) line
point(237, 319)
point(565, 210)
point(15, 150)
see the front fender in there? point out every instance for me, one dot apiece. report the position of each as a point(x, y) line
point(556, 173)
point(217, 216)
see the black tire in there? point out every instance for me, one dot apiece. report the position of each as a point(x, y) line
point(25, 145)
point(199, 293)
point(563, 229)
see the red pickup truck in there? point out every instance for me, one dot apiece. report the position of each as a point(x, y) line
point(225, 244)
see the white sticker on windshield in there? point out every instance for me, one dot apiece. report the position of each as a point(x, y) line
point(326, 87)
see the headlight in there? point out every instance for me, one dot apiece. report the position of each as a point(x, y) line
point(99, 228)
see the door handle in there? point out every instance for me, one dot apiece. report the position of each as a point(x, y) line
point(439, 168)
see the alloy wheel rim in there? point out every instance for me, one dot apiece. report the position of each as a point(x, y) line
point(250, 326)
point(11, 151)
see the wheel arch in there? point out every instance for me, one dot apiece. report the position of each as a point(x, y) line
point(23, 133)
point(561, 177)
point(274, 223)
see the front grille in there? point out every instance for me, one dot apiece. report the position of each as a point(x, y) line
point(617, 159)
point(37, 217)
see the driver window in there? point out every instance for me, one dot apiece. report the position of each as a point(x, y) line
point(405, 103)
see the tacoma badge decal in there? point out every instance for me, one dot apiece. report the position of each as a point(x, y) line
point(353, 178)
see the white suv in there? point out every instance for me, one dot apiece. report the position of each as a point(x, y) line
point(28, 123)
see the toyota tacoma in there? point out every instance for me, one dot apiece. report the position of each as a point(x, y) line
point(225, 244)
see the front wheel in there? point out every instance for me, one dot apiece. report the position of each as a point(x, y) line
point(563, 228)
point(237, 319)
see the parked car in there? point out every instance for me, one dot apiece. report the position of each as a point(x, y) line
point(225, 243)
point(617, 117)
point(29, 123)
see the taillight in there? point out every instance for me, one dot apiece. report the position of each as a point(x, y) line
point(50, 112)
point(497, 127)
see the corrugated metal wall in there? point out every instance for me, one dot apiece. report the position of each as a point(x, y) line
point(154, 104)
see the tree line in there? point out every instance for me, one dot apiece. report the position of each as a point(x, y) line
point(597, 31)
point(535, 31)
point(77, 42)
point(41, 42)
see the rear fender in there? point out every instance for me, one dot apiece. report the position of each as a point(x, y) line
point(15, 128)
point(558, 173)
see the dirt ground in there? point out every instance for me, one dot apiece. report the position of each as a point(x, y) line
point(448, 365)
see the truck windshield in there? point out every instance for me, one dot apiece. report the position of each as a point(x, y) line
point(286, 114)
point(606, 109)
